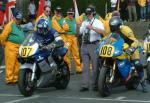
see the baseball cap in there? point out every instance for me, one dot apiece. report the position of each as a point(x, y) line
point(89, 10)
point(71, 11)
point(58, 8)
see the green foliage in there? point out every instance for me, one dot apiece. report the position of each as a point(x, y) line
point(82, 4)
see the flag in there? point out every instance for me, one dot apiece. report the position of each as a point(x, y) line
point(76, 9)
point(8, 12)
point(1, 17)
point(41, 7)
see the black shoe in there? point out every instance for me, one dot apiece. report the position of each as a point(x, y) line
point(144, 86)
point(11, 84)
point(95, 88)
point(83, 89)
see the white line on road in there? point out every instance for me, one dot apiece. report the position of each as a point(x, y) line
point(24, 99)
point(2, 67)
point(120, 98)
point(9, 95)
point(101, 99)
point(1, 71)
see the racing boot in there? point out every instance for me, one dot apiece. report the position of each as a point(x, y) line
point(143, 82)
point(144, 86)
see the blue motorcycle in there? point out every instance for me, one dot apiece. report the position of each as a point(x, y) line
point(116, 68)
point(41, 67)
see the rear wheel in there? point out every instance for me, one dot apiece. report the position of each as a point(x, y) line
point(63, 78)
point(26, 87)
point(133, 83)
point(104, 86)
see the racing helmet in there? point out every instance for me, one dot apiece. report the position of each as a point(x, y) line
point(115, 23)
point(42, 26)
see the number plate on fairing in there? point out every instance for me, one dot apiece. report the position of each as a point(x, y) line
point(26, 51)
point(106, 51)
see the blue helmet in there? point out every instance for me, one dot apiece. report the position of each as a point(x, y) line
point(42, 26)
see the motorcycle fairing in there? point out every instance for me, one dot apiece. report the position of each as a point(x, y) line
point(124, 67)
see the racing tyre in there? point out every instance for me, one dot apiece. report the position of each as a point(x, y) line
point(104, 87)
point(26, 87)
point(64, 78)
point(133, 83)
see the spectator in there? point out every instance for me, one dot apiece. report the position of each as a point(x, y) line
point(142, 4)
point(70, 36)
point(148, 10)
point(13, 36)
point(131, 6)
point(123, 11)
point(3, 5)
point(46, 15)
point(29, 26)
point(32, 9)
point(59, 24)
point(92, 30)
point(113, 5)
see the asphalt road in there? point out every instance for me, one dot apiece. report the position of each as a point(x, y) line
point(11, 94)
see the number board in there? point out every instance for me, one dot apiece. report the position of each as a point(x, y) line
point(26, 51)
point(106, 51)
point(148, 46)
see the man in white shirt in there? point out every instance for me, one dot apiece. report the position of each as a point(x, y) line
point(32, 9)
point(92, 31)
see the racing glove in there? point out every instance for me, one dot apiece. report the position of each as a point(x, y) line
point(130, 51)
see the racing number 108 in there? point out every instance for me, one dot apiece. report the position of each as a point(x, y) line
point(106, 50)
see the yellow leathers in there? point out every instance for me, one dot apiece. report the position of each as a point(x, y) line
point(13, 36)
point(106, 23)
point(130, 39)
point(70, 37)
point(127, 34)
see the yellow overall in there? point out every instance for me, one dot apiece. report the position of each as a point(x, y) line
point(13, 36)
point(71, 38)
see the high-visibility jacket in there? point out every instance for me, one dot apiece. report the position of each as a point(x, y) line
point(12, 33)
point(59, 24)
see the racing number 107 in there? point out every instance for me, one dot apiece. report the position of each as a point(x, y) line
point(26, 51)
point(106, 50)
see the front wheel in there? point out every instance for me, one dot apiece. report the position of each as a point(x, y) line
point(104, 87)
point(63, 78)
point(148, 71)
point(26, 87)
